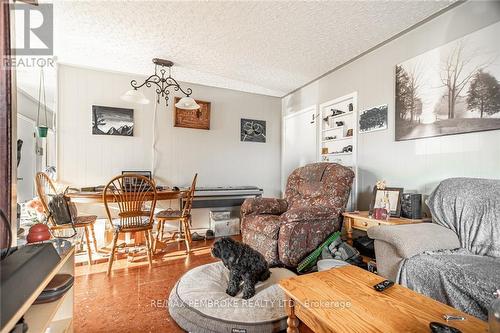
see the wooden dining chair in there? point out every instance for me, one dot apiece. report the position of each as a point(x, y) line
point(45, 189)
point(184, 218)
point(135, 196)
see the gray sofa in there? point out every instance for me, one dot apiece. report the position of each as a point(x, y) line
point(455, 259)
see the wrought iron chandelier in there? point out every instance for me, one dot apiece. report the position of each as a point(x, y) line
point(162, 83)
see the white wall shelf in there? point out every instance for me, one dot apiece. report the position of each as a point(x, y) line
point(333, 128)
point(337, 154)
point(339, 139)
point(347, 104)
point(345, 114)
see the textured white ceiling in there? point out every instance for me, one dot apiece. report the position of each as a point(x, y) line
point(270, 48)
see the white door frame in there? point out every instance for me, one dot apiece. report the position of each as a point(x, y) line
point(310, 108)
point(33, 148)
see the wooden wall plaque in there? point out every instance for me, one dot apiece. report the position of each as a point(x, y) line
point(199, 119)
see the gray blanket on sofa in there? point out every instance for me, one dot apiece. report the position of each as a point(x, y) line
point(454, 277)
point(464, 278)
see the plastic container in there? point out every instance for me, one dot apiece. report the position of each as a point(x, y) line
point(326, 264)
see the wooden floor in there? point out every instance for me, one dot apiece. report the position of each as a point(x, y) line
point(133, 298)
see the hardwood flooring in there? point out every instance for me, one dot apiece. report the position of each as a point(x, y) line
point(133, 298)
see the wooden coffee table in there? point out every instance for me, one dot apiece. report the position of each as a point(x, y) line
point(343, 300)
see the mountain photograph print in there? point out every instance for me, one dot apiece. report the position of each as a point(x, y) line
point(452, 89)
point(107, 120)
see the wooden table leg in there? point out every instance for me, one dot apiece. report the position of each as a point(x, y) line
point(292, 321)
point(348, 227)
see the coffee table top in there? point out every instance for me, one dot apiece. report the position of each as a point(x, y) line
point(343, 300)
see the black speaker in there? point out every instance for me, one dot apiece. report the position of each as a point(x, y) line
point(411, 206)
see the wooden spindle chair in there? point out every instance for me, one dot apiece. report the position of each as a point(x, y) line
point(184, 218)
point(131, 193)
point(45, 189)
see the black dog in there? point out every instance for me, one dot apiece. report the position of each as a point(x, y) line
point(244, 263)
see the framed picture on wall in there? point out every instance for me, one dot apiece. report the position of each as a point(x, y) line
point(107, 120)
point(373, 119)
point(198, 119)
point(451, 89)
point(252, 130)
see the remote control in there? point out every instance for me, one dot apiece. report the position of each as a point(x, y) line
point(383, 285)
point(442, 328)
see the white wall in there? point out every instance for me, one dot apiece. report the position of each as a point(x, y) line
point(217, 155)
point(417, 164)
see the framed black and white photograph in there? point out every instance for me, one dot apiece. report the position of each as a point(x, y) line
point(108, 120)
point(394, 194)
point(373, 119)
point(253, 130)
point(452, 89)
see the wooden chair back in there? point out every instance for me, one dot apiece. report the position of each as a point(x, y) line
point(188, 204)
point(44, 189)
point(131, 192)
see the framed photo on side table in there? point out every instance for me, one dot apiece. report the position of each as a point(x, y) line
point(394, 194)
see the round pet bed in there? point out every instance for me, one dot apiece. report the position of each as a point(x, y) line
point(199, 303)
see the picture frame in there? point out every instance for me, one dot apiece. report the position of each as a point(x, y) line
point(108, 120)
point(451, 89)
point(252, 130)
point(395, 198)
point(196, 119)
point(373, 119)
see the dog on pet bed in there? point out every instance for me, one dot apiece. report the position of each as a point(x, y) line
point(244, 264)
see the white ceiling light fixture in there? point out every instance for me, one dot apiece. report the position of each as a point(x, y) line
point(162, 83)
point(135, 96)
point(187, 103)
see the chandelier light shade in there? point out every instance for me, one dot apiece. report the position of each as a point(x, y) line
point(187, 103)
point(161, 81)
point(135, 96)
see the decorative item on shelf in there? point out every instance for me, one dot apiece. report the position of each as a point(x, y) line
point(373, 119)
point(108, 120)
point(162, 83)
point(349, 132)
point(324, 151)
point(465, 98)
point(339, 123)
point(336, 112)
point(38, 232)
point(195, 118)
point(386, 198)
point(350, 107)
point(41, 129)
point(253, 130)
point(330, 137)
point(347, 149)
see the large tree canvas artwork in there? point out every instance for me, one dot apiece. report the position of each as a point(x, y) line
point(107, 120)
point(452, 89)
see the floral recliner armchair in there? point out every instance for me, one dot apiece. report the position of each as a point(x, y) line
point(286, 230)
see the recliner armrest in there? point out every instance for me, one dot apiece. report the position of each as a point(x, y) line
point(308, 214)
point(412, 239)
point(271, 206)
